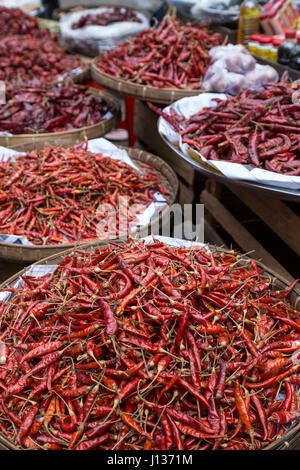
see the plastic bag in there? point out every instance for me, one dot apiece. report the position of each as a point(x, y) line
point(229, 82)
point(217, 67)
point(239, 63)
point(216, 11)
point(217, 82)
point(236, 83)
point(93, 39)
point(220, 52)
point(259, 75)
point(234, 68)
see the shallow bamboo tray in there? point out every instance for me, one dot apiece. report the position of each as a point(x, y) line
point(141, 92)
point(89, 132)
point(28, 254)
point(291, 438)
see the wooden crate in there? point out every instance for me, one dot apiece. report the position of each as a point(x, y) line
point(8, 269)
point(268, 229)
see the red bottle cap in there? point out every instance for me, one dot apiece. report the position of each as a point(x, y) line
point(291, 34)
point(277, 42)
point(265, 40)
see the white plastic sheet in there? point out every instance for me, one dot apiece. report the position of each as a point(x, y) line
point(93, 39)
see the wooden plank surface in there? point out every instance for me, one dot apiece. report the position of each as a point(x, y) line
point(186, 194)
point(240, 235)
point(8, 269)
point(212, 237)
point(278, 216)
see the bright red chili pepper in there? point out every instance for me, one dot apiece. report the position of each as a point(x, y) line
point(217, 384)
point(80, 220)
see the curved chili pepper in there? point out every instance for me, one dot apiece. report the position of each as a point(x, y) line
point(69, 423)
point(111, 323)
point(131, 423)
point(242, 409)
point(261, 414)
point(285, 417)
point(42, 350)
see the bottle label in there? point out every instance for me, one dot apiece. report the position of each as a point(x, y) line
point(249, 25)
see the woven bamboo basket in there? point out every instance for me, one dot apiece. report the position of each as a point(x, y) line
point(28, 254)
point(79, 77)
point(141, 92)
point(90, 132)
point(287, 441)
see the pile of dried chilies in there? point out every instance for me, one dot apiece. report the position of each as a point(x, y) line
point(169, 55)
point(58, 195)
point(24, 58)
point(258, 128)
point(148, 347)
point(36, 107)
point(14, 21)
point(113, 15)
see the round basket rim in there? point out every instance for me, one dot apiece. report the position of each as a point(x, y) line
point(80, 76)
point(94, 244)
point(138, 91)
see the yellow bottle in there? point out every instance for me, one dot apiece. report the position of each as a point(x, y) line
point(248, 21)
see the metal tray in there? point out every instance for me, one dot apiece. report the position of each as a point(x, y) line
point(267, 190)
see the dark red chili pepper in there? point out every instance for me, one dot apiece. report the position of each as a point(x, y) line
point(285, 417)
point(113, 15)
point(28, 417)
point(252, 128)
point(16, 21)
point(221, 380)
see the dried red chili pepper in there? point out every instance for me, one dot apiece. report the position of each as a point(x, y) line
point(14, 21)
point(64, 173)
point(133, 386)
point(164, 56)
point(113, 15)
point(22, 58)
point(243, 139)
point(36, 107)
